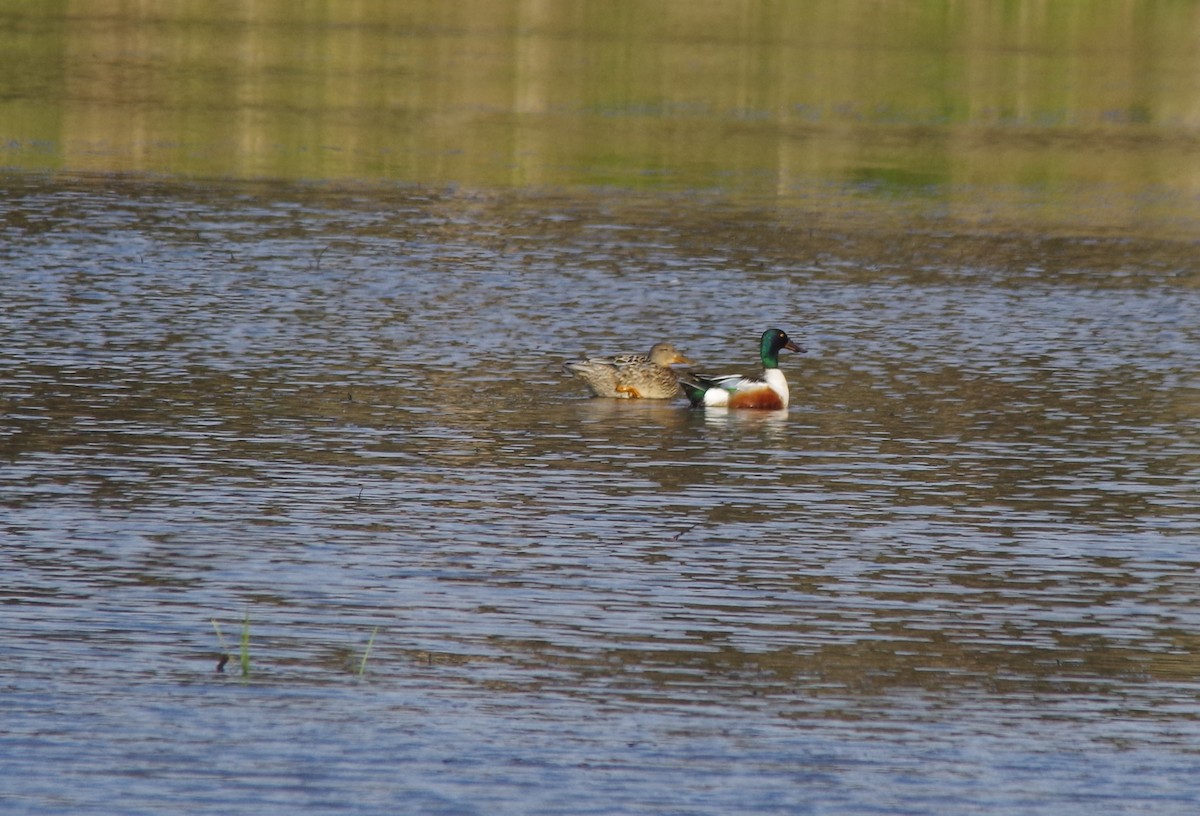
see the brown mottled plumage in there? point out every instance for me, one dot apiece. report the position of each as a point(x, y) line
point(632, 376)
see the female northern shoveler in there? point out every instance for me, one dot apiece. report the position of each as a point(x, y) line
point(637, 376)
point(735, 391)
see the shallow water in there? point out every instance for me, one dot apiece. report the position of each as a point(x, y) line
point(281, 383)
point(958, 572)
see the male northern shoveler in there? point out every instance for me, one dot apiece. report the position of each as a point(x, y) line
point(770, 391)
point(636, 376)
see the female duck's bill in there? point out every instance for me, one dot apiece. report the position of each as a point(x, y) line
point(633, 376)
point(767, 392)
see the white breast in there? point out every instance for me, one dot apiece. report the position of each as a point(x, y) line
point(777, 383)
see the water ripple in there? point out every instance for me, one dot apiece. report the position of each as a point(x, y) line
point(342, 420)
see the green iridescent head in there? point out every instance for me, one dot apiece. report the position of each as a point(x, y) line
point(774, 341)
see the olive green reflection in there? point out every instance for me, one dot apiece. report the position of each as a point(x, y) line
point(1049, 112)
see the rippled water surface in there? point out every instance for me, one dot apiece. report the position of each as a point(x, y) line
point(958, 574)
point(300, 514)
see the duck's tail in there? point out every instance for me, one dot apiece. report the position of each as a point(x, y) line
point(693, 387)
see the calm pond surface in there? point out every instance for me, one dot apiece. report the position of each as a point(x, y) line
point(295, 397)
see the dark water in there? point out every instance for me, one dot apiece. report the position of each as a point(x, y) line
point(957, 575)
